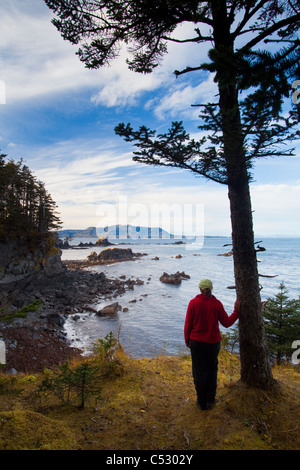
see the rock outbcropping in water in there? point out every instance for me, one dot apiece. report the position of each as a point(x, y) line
point(173, 278)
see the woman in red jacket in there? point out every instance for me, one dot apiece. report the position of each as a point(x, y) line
point(202, 335)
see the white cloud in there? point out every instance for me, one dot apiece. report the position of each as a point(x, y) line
point(185, 208)
point(187, 54)
point(204, 212)
point(37, 62)
point(79, 165)
point(276, 209)
point(86, 179)
point(123, 87)
point(89, 179)
point(79, 185)
point(81, 174)
point(180, 98)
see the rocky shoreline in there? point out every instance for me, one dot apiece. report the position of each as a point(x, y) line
point(38, 340)
point(35, 338)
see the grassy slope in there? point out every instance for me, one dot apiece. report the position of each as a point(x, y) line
point(151, 406)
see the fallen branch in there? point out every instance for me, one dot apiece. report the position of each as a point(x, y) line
point(265, 275)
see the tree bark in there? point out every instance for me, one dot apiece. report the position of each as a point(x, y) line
point(254, 355)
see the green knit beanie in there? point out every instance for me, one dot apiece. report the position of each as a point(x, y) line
point(206, 284)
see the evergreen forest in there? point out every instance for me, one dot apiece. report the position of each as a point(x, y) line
point(26, 208)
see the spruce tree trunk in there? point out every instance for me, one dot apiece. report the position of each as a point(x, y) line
point(254, 355)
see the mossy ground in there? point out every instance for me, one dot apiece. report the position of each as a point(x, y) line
point(149, 404)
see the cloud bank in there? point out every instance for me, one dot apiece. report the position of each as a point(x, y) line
point(83, 170)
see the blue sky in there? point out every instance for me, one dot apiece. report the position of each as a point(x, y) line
point(59, 118)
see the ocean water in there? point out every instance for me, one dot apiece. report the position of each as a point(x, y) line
point(156, 312)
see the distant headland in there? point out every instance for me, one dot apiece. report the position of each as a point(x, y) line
point(118, 232)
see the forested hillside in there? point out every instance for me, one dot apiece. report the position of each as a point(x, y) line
point(26, 208)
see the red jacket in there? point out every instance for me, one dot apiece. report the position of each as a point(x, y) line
point(202, 319)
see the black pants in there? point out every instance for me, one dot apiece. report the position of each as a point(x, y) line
point(205, 371)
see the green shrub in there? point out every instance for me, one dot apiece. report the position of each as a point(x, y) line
point(73, 386)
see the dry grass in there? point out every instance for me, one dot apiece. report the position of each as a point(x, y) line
point(151, 406)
